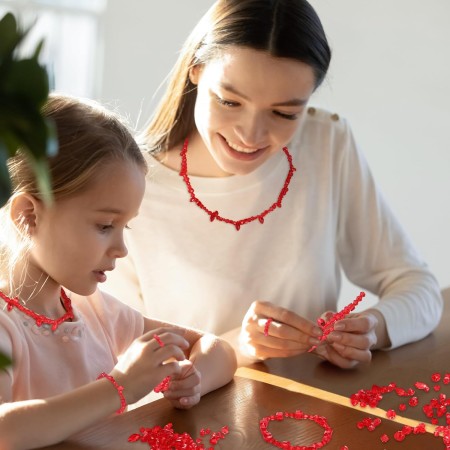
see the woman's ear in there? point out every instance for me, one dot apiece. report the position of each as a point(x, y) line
point(24, 212)
point(194, 73)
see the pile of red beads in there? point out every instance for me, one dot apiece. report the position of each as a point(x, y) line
point(328, 326)
point(297, 415)
point(434, 410)
point(165, 438)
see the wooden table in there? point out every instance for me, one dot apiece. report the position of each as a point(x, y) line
point(300, 383)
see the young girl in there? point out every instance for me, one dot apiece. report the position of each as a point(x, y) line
point(255, 202)
point(63, 334)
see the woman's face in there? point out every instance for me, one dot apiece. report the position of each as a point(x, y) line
point(248, 107)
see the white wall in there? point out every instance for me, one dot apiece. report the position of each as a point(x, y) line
point(390, 76)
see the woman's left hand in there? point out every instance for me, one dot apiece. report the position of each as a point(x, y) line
point(352, 341)
point(184, 388)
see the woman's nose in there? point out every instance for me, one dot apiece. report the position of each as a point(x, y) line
point(252, 130)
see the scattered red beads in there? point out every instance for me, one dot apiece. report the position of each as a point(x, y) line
point(297, 415)
point(369, 423)
point(164, 438)
point(435, 410)
point(328, 327)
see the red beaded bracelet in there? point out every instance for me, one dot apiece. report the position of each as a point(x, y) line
point(123, 402)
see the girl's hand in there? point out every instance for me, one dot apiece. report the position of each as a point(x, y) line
point(351, 341)
point(145, 364)
point(288, 333)
point(184, 387)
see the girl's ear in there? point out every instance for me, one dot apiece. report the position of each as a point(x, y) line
point(194, 73)
point(24, 212)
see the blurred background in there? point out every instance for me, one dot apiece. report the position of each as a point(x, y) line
point(390, 76)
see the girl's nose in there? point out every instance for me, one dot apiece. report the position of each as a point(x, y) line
point(119, 249)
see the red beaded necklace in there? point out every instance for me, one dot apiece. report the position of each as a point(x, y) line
point(39, 318)
point(214, 215)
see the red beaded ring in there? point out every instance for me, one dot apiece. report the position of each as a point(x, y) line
point(267, 325)
point(158, 340)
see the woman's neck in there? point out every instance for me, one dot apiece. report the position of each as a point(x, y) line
point(201, 163)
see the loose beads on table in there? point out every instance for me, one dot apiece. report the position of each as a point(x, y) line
point(328, 326)
point(165, 438)
point(434, 410)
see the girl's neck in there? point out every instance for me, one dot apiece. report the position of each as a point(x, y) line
point(37, 291)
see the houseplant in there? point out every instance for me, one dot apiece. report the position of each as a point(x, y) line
point(24, 88)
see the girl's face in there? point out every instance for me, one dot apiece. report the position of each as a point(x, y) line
point(77, 240)
point(249, 105)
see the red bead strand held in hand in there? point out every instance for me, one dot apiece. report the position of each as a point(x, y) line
point(328, 327)
point(164, 385)
point(214, 215)
point(39, 318)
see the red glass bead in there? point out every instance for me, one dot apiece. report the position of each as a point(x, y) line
point(413, 401)
point(421, 386)
point(436, 377)
point(399, 436)
point(384, 438)
point(390, 414)
point(402, 407)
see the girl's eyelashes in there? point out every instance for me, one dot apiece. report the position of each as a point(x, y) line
point(103, 228)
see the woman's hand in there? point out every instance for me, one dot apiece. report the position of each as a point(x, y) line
point(287, 335)
point(352, 340)
point(184, 387)
point(146, 362)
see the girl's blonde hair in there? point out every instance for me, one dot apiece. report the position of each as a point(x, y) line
point(283, 28)
point(89, 137)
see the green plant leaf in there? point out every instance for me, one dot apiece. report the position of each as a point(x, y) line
point(4, 361)
point(24, 88)
point(10, 36)
point(5, 183)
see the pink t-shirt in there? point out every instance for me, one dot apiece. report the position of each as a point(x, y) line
point(47, 363)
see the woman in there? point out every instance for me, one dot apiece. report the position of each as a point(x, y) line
point(255, 202)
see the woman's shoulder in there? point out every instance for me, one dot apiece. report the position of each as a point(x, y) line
point(315, 115)
point(323, 128)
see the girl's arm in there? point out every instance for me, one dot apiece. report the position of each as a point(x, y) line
point(211, 356)
point(41, 422)
point(37, 423)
